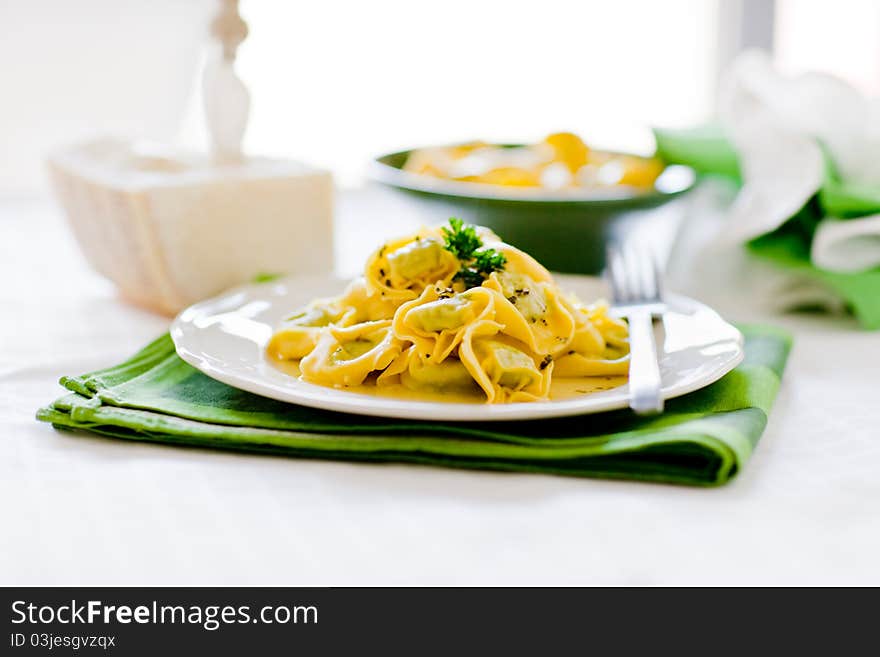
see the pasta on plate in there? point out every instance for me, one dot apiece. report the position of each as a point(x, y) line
point(453, 308)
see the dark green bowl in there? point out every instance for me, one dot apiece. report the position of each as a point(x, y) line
point(565, 230)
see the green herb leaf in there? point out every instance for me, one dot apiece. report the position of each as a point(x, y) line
point(461, 239)
point(477, 261)
point(488, 260)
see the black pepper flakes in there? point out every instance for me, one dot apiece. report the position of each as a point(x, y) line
point(388, 282)
point(381, 272)
point(445, 293)
point(546, 361)
point(512, 299)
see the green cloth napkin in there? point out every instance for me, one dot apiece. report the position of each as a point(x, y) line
point(703, 438)
point(707, 150)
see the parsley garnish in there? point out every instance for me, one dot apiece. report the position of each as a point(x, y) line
point(477, 261)
point(461, 239)
point(484, 262)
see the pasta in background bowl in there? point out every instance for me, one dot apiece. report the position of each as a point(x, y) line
point(561, 162)
point(454, 310)
point(558, 200)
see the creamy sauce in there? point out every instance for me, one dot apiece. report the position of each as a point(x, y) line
point(560, 389)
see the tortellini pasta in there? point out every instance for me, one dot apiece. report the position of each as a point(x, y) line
point(453, 309)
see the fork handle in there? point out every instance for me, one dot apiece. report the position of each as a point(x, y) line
point(644, 371)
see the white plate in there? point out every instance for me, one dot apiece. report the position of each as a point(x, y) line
point(225, 337)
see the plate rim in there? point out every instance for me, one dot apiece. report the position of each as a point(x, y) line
point(325, 397)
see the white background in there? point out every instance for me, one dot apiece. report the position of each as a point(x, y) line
point(337, 82)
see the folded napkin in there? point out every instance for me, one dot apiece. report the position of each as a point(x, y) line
point(807, 153)
point(703, 438)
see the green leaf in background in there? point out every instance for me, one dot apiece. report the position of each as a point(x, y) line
point(705, 149)
point(845, 200)
point(788, 247)
point(861, 290)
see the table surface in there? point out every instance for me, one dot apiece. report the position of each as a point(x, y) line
point(78, 509)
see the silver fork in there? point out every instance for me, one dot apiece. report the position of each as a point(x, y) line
point(637, 295)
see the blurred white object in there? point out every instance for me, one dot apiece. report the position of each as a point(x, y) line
point(170, 230)
point(710, 266)
point(226, 99)
point(75, 70)
point(227, 103)
point(847, 245)
point(779, 126)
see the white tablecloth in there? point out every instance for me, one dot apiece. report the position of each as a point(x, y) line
point(76, 509)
